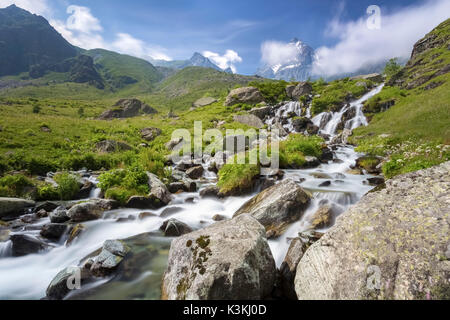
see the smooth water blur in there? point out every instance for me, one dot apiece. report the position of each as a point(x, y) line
point(28, 277)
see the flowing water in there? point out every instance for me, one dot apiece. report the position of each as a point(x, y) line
point(28, 277)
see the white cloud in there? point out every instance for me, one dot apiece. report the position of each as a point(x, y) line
point(358, 45)
point(228, 60)
point(276, 52)
point(40, 7)
point(84, 30)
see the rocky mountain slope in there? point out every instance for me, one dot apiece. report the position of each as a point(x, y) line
point(197, 60)
point(28, 40)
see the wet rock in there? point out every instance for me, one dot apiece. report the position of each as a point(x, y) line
point(175, 228)
point(354, 172)
point(110, 257)
point(47, 206)
point(289, 267)
point(91, 210)
point(369, 163)
point(150, 134)
point(176, 187)
point(300, 124)
point(226, 261)
point(85, 190)
point(28, 218)
point(219, 217)
point(170, 211)
point(11, 208)
point(143, 202)
point(74, 233)
point(59, 215)
point(267, 183)
point(311, 162)
point(376, 181)
point(145, 215)
point(210, 191)
point(59, 288)
point(325, 184)
point(248, 95)
point(277, 207)
point(195, 172)
point(327, 155)
point(184, 165)
point(320, 175)
point(109, 146)
point(342, 137)
point(53, 231)
point(158, 190)
point(249, 120)
point(23, 245)
point(388, 234)
point(322, 218)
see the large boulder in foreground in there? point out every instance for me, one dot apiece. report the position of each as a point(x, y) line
point(248, 95)
point(277, 207)
point(13, 207)
point(393, 244)
point(229, 260)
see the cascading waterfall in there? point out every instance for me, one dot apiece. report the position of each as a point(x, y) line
point(28, 277)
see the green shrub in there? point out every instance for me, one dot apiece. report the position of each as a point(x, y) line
point(111, 179)
point(235, 179)
point(293, 150)
point(15, 186)
point(133, 179)
point(47, 192)
point(68, 185)
point(120, 194)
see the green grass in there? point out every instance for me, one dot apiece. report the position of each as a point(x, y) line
point(237, 179)
point(296, 147)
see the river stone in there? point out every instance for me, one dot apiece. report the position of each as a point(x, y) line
point(110, 257)
point(11, 208)
point(248, 95)
point(23, 245)
point(47, 206)
point(229, 260)
point(174, 228)
point(249, 120)
point(195, 172)
point(261, 112)
point(158, 190)
point(91, 210)
point(210, 191)
point(390, 245)
point(74, 233)
point(53, 231)
point(322, 218)
point(289, 266)
point(59, 215)
point(59, 286)
point(278, 206)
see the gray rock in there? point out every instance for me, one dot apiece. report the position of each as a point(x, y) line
point(249, 120)
point(59, 286)
point(303, 88)
point(195, 172)
point(170, 211)
point(127, 108)
point(387, 246)
point(150, 134)
point(278, 206)
point(110, 257)
point(261, 112)
point(322, 218)
point(176, 187)
point(91, 210)
point(175, 228)
point(376, 181)
point(47, 206)
point(109, 146)
point(59, 215)
point(219, 217)
point(289, 267)
point(248, 95)
point(229, 260)
point(210, 191)
point(158, 190)
point(175, 144)
point(85, 190)
point(11, 208)
point(203, 102)
point(53, 231)
point(23, 245)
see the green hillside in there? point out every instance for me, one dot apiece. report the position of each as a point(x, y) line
point(415, 132)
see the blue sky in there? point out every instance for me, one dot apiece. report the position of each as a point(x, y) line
point(176, 28)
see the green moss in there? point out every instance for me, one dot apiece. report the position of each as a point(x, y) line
point(68, 185)
point(235, 179)
point(120, 194)
point(292, 151)
point(272, 91)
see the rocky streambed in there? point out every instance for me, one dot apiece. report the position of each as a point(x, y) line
point(184, 242)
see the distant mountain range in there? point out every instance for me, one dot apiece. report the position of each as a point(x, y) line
point(197, 60)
